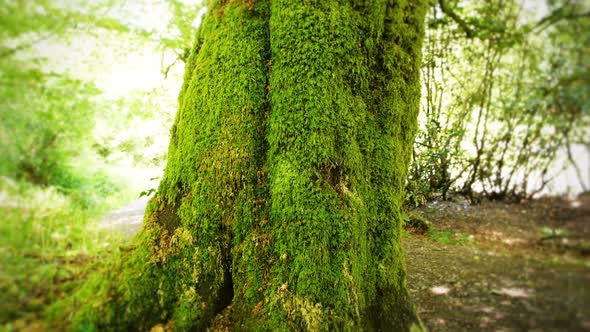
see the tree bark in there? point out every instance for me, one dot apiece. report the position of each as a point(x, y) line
point(286, 172)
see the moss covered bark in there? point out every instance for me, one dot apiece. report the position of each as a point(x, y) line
point(285, 174)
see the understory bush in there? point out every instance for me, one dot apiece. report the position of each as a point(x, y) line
point(49, 239)
point(505, 101)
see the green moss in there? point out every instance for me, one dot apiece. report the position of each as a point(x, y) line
point(283, 189)
point(416, 223)
point(344, 96)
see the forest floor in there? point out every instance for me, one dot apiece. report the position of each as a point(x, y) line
point(502, 267)
point(488, 267)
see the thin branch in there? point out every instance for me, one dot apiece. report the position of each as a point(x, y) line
point(448, 11)
point(24, 46)
point(562, 13)
point(166, 70)
point(64, 26)
point(573, 162)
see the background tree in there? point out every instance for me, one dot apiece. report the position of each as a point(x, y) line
point(505, 99)
point(67, 142)
point(48, 117)
point(285, 175)
point(58, 128)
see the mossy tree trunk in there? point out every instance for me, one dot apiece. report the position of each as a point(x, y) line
point(285, 173)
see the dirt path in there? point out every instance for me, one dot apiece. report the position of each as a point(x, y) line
point(513, 267)
point(126, 220)
point(459, 288)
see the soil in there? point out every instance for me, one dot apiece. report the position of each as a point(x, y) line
point(513, 267)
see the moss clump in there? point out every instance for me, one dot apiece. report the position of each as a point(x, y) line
point(283, 189)
point(416, 223)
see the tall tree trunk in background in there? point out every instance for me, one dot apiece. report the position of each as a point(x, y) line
point(286, 173)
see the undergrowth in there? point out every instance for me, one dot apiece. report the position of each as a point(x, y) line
point(449, 237)
point(49, 243)
point(415, 223)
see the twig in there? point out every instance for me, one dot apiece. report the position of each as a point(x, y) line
point(445, 9)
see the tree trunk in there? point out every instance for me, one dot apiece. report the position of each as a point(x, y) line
point(285, 175)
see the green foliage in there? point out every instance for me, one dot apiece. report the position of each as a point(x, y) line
point(180, 34)
point(449, 237)
point(26, 23)
point(46, 131)
point(46, 245)
point(548, 231)
point(135, 127)
point(47, 119)
point(501, 106)
point(45, 122)
point(52, 182)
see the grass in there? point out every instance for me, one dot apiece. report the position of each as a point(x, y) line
point(449, 237)
point(48, 241)
point(548, 231)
